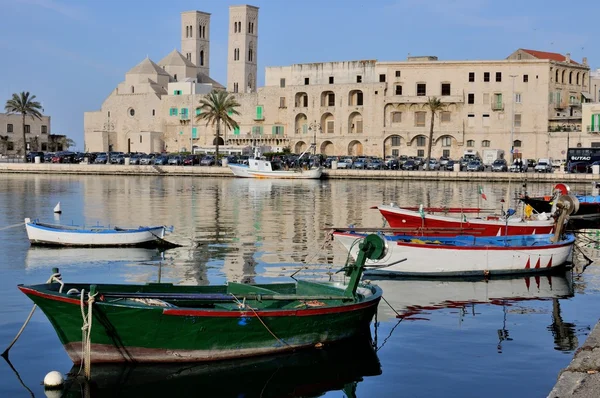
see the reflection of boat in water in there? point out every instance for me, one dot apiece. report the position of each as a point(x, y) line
point(412, 297)
point(60, 257)
point(304, 373)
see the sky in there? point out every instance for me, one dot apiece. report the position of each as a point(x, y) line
point(72, 53)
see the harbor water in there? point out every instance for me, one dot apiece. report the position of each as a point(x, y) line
point(455, 338)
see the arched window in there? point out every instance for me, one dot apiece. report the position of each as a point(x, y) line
point(132, 90)
point(470, 143)
point(204, 32)
point(421, 141)
point(571, 77)
point(446, 141)
point(485, 143)
point(175, 77)
point(201, 57)
point(578, 78)
point(517, 143)
point(556, 77)
point(563, 77)
point(187, 31)
point(250, 55)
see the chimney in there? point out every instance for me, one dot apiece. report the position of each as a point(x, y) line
point(584, 61)
point(568, 58)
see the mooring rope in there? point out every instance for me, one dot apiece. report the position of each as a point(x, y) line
point(54, 278)
point(243, 305)
point(12, 226)
point(86, 333)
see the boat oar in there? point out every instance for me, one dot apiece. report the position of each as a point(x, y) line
point(54, 278)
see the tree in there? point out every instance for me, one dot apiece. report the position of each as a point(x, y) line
point(435, 106)
point(25, 105)
point(216, 108)
point(69, 143)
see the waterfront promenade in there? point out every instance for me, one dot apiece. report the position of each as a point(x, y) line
point(202, 171)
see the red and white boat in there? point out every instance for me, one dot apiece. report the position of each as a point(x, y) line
point(426, 224)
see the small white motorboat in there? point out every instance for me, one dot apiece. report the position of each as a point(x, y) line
point(260, 167)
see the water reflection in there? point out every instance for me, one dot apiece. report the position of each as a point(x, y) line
point(306, 373)
point(413, 299)
point(43, 257)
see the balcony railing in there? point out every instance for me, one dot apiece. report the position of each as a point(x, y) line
point(593, 129)
point(497, 106)
point(574, 102)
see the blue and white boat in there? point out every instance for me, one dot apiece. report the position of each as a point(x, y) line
point(464, 255)
point(69, 235)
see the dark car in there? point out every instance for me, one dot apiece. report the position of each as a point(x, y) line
point(360, 163)
point(393, 164)
point(579, 167)
point(233, 159)
point(48, 157)
point(64, 157)
point(410, 165)
point(161, 160)
point(475, 165)
point(449, 166)
point(499, 165)
point(376, 164)
point(30, 158)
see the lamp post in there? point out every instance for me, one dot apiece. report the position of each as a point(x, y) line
point(314, 126)
point(512, 122)
point(192, 116)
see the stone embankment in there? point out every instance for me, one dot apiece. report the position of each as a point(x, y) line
point(201, 171)
point(581, 379)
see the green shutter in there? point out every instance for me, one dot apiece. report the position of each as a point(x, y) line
point(194, 132)
point(260, 130)
point(184, 111)
point(230, 112)
point(274, 130)
point(281, 130)
point(304, 128)
point(198, 111)
point(236, 131)
point(259, 112)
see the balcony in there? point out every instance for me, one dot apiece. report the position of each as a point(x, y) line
point(593, 129)
point(497, 106)
point(574, 102)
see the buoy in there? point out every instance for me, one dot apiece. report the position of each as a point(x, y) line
point(57, 208)
point(53, 380)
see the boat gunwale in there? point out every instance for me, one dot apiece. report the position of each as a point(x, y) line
point(362, 303)
point(90, 230)
point(570, 240)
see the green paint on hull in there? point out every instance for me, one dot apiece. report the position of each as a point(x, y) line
point(205, 323)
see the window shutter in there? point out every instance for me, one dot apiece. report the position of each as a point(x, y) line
point(198, 111)
point(194, 132)
point(259, 112)
point(274, 130)
point(236, 131)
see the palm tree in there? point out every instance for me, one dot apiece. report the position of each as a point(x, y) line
point(435, 106)
point(26, 106)
point(216, 108)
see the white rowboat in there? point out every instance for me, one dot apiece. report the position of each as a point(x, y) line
point(61, 235)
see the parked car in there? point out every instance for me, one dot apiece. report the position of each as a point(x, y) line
point(514, 168)
point(233, 159)
point(146, 159)
point(102, 158)
point(208, 160)
point(376, 164)
point(327, 163)
point(48, 157)
point(499, 165)
point(191, 160)
point(393, 164)
point(30, 158)
point(136, 158)
point(175, 160)
point(475, 165)
point(161, 160)
point(345, 163)
point(64, 157)
point(443, 161)
point(410, 165)
point(433, 164)
point(114, 157)
point(579, 167)
point(543, 166)
point(360, 163)
point(450, 165)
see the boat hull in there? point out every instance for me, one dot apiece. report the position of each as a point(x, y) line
point(142, 333)
point(434, 225)
point(587, 204)
point(248, 172)
point(101, 237)
point(444, 260)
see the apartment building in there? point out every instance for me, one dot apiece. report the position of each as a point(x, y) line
point(37, 133)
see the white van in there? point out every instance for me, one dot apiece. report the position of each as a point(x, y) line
point(544, 165)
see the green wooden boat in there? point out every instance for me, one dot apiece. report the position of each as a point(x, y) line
point(167, 323)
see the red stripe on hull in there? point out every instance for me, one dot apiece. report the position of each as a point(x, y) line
point(479, 227)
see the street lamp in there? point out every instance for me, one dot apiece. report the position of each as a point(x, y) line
point(193, 115)
point(314, 126)
point(512, 122)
